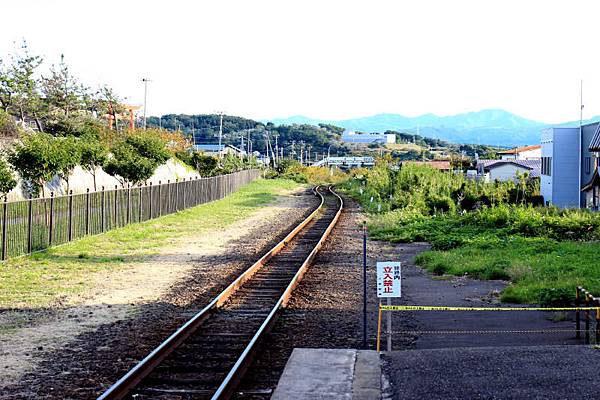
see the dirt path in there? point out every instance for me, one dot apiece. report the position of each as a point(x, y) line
point(76, 351)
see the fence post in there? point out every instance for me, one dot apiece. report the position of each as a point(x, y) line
point(128, 204)
point(70, 215)
point(102, 208)
point(587, 319)
point(116, 220)
point(184, 186)
point(169, 196)
point(4, 222)
point(140, 206)
point(597, 301)
point(87, 211)
point(159, 198)
point(176, 194)
point(577, 313)
point(51, 223)
point(29, 224)
point(150, 202)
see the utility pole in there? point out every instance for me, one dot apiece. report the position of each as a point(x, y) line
point(580, 136)
point(220, 113)
point(276, 148)
point(249, 143)
point(145, 80)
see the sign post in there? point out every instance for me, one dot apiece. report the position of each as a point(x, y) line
point(389, 285)
point(364, 344)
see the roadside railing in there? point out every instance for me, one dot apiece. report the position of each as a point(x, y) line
point(36, 224)
point(583, 298)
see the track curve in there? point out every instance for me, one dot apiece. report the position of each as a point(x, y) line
point(207, 357)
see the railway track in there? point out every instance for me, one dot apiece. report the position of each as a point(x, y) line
point(207, 356)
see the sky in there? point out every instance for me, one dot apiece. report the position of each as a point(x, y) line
point(324, 59)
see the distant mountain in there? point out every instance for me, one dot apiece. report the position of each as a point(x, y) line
point(494, 126)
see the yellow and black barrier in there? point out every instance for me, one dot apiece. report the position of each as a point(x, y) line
point(446, 308)
point(591, 304)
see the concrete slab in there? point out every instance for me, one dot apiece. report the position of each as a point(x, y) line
point(336, 374)
point(367, 376)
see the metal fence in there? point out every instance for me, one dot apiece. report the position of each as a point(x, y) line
point(36, 224)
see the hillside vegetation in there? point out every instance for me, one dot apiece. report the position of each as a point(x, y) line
point(484, 230)
point(52, 123)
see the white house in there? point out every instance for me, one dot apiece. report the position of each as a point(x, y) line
point(522, 153)
point(367, 138)
point(506, 170)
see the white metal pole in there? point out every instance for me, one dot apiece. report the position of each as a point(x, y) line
point(389, 326)
point(145, 80)
point(220, 134)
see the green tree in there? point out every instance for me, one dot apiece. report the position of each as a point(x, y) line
point(37, 160)
point(69, 153)
point(135, 158)
point(18, 86)
point(93, 156)
point(205, 165)
point(7, 178)
point(63, 94)
point(8, 128)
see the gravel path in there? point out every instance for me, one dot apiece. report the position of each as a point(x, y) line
point(94, 359)
point(523, 372)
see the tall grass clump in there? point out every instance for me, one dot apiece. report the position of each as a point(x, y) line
point(497, 230)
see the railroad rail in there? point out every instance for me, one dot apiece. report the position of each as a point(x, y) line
point(208, 355)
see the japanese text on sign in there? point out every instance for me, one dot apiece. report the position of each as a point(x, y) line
point(389, 279)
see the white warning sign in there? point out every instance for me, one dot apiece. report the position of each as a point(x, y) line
point(389, 279)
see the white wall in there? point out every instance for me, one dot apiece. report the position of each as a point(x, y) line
point(534, 154)
point(506, 172)
point(81, 180)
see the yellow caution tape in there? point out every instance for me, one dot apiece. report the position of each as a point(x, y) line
point(443, 308)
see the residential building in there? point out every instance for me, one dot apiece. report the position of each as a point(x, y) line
point(522, 153)
point(215, 149)
point(368, 138)
point(506, 170)
point(569, 164)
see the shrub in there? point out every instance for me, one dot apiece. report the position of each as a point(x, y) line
point(135, 158)
point(37, 160)
point(556, 297)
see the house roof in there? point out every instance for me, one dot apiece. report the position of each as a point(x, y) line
point(595, 143)
point(594, 182)
point(518, 150)
point(534, 166)
point(440, 164)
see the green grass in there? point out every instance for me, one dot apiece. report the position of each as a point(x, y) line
point(41, 279)
point(486, 230)
point(536, 267)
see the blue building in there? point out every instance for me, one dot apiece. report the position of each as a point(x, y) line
point(568, 166)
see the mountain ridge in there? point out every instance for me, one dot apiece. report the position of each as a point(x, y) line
point(488, 126)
